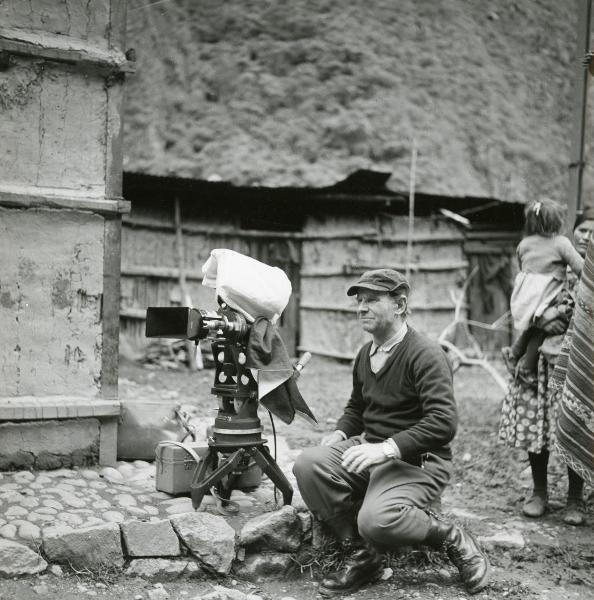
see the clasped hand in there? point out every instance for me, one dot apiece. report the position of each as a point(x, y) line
point(362, 456)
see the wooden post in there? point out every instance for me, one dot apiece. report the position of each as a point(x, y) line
point(194, 354)
point(581, 174)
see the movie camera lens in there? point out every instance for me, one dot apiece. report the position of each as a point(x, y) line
point(186, 323)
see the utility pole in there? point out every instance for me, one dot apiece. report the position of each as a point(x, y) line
point(581, 164)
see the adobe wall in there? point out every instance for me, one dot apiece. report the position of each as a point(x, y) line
point(51, 289)
point(61, 89)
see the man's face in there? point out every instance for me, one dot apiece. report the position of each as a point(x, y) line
point(376, 311)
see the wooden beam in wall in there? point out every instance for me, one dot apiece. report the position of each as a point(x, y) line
point(436, 307)
point(28, 198)
point(349, 270)
point(157, 272)
point(366, 236)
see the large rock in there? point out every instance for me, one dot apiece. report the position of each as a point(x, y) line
point(154, 538)
point(16, 559)
point(209, 538)
point(92, 548)
point(259, 566)
point(163, 569)
point(278, 530)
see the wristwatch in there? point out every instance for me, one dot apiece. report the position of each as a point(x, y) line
point(390, 449)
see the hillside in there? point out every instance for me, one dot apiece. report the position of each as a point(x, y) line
point(304, 92)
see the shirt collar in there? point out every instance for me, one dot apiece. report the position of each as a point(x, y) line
point(388, 345)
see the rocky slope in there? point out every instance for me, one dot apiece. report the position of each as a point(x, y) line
point(305, 92)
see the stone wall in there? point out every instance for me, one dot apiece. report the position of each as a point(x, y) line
point(49, 444)
point(191, 545)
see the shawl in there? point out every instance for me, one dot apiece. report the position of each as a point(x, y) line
point(574, 375)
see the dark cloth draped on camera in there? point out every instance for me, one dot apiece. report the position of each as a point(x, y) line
point(574, 374)
point(266, 352)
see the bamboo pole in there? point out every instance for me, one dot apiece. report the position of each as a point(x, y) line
point(580, 179)
point(411, 207)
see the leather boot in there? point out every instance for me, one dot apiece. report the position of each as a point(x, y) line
point(362, 564)
point(463, 550)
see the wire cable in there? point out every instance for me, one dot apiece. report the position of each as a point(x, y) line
point(274, 456)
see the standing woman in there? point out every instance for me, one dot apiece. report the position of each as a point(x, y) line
point(528, 418)
point(574, 377)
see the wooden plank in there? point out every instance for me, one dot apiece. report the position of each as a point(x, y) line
point(112, 241)
point(511, 236)
point(352, 309)
point(30, 408)
point(367, 236)
point(353, 269)
point(114, 149)
point(83, 55)
point(172, 273)
point(23, 199)
point(157, 272)
point(192, 229)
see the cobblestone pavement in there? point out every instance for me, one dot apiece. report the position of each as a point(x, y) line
point(31, 502)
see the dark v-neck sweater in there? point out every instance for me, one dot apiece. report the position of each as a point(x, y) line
point(410, 399)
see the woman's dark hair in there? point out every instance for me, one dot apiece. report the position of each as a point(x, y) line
point(586, 214)
point(544, 217)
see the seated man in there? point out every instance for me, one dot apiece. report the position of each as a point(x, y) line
point(373, 479)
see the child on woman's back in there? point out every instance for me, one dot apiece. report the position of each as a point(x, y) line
point(543, 255)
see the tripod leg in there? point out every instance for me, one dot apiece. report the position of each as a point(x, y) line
point(197, 491)
point(268, 465)
point(200, 486)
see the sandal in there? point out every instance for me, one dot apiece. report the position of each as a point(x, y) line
point(535, 507)
point(575, 513)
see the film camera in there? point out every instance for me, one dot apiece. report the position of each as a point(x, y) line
point(235, 443)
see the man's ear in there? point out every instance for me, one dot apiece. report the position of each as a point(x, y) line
point(401, 305)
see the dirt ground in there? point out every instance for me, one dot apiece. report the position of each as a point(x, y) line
point(489, 479)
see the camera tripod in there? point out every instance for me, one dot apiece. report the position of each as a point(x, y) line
point(236, 442)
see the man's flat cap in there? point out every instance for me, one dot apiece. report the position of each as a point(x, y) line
point(379, 280)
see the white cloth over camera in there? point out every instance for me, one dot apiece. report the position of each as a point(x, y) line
point(247, 285)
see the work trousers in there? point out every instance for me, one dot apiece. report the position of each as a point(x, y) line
point(385, 504)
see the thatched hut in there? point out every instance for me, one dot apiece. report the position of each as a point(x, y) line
point(322, 238)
